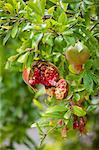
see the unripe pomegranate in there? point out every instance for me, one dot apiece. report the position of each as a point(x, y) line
point(78, 54)
point(61, 89)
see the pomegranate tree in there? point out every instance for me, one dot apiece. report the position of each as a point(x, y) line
point(65, 33)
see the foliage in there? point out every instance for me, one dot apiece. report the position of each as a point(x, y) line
point(44, 29)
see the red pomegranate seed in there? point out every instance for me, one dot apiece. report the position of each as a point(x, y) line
point(75, 124)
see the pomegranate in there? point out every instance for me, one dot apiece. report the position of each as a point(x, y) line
point(75, 122)
point(61, 89)
point(64, 132)
point(50, 91)
point(60, 122)
point(25, 75)
point(77, 55)
point(42, 72)
point(81, 125)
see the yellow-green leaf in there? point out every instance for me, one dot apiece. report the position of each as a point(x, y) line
point(8, 7)
point(38, 104)
point(7, 27)
point(14, 31)
point(78, 111)
point(13, 58)
point(23, 58)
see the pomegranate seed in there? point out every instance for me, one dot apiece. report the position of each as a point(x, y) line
point(75, 124)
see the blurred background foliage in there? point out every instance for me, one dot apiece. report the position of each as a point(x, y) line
point(17, 111)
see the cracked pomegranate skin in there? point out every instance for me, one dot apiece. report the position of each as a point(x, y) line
point(61, 89)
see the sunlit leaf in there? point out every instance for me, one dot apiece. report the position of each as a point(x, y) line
point(38, 104)
point(78, 111)
point(13, 58)
point(6, 38)
point(14, 31)
point(8, 7)
point(23, 58)
point(57, 108)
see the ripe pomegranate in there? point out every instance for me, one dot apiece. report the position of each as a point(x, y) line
point(75, 122)
point(25, 75)
point(82, 125)
point(42, 72)
point(61, 89)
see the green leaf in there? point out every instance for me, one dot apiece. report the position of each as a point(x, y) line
point(38, 104)
point(54, 1)
point(76, 96)
point(41, 90)
point(89, 64)
point(23, 58)
point(48, 39)
point(71, 1)
point(35, 6)
point(7, 65)
point(57, 108)
point(55, 115)
point(88, 81)
point(43, 3)
point(8, 7)
point(78, 111)
point(51, 10)
point(96, 64)
point(13, 58)
point(6, 38)
point(67, 114)
point(7, 27)
point(62, 18)
point(14, 31)
point(91, 108)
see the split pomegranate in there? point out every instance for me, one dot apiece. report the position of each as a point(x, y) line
point(43, 73)
point(50, 91)
point(61, 89)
